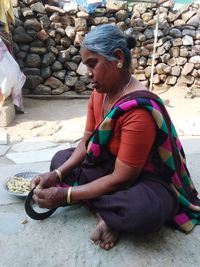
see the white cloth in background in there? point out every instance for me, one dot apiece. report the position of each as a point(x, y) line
point(11, 77)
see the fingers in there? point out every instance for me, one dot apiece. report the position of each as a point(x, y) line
point(35, 181)
point(41, 197)
point(50, 197)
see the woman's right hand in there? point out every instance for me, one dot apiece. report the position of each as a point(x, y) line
point(45, 180)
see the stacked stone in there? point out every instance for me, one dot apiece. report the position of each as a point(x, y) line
point(177, 58)
point(47, 38)
point(47, 42)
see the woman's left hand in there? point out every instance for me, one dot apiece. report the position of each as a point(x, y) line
point(51, 197)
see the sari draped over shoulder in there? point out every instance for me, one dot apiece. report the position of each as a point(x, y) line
point(170, 159)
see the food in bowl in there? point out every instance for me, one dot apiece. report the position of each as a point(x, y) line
point(19, 185)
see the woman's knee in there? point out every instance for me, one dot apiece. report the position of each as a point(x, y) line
point(60, 157)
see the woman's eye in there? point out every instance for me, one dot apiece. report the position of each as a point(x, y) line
point(92, 64)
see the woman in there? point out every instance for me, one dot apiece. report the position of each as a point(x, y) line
point(129, 166)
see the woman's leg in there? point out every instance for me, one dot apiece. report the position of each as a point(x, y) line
point(141, 209)
point(58, 159)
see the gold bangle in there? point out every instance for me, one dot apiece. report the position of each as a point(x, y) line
point(59, 174)
point(69, 195)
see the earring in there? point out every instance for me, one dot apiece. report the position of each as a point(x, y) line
point(119, 65)
point(90, 74)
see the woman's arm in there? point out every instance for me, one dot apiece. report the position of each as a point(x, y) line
point(122, 175)
point(76, 157)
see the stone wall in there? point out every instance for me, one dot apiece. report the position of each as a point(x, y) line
point(47, 37)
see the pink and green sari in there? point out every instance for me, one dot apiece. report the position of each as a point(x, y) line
point(171, 155)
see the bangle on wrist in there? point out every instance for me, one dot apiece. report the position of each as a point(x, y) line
point(59, 174)
point(69, 195)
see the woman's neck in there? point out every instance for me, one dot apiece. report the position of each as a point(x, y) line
point(114, 95)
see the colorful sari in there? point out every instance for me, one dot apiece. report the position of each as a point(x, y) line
point(171, 155)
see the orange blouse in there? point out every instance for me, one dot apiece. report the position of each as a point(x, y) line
point(133, 135)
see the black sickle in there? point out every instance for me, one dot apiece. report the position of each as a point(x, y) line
point(32, 213)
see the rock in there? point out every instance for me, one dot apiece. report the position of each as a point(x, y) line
point(186, 16)
point(46, 72)
point(27, 12)
point(183, 80)
point(100, 20)
point(78, 39)
point(42, 35)
point(142, 61)
point(56, 66)
point(38, 7)
point(177, 42)
point(54, 9)
point(195, 59)
point(20, 36)
point(183, 52)
point(59, 90)
point(70, 80)
point(181, 61)
point(48, 59)
point(42, 90)
point(31, 71)
point(32, 81)
point(156, 79)
point(70, 7)
point(55, 17)
point(80, 24)
point(85, 79)
point(60, 74)
point(187, 40)
point(149, 33)
point(21, 55)
point(174, 51)
point(32, 24)
point(45, 22)
point(189, 32)
point(165, 57)
point(53, 82)
point(70, 65)
point(82, 14)
point(70, 32)
point(194, 21)
point(175, 33)
point(171, 80)
point(33, 60)
point(79, 86)
point(163, 68)
point(175, 71)
point(188, 67)
point(64, 56)
point(171, 62)
point(65, 42)
point(76, 59)
point(38, 50)
point(82, 69)
point(121, 15)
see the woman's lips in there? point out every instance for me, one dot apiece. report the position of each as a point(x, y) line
point(94, 85)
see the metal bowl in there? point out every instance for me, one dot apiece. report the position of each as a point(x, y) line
point(26, 175)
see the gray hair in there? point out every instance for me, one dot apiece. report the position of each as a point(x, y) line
point(105, 39)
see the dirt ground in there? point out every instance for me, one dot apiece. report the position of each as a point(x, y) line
point(57, 120)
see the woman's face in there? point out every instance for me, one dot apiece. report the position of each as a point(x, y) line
point(103, 73)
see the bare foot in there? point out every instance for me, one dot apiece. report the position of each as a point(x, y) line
point(103, 235)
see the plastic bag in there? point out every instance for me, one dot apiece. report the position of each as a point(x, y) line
point(90, 5)
point(11, 77)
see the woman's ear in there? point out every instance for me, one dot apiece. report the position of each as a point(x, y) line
point(119, 56)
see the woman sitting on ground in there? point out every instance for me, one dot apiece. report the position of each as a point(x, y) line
point(129, 167)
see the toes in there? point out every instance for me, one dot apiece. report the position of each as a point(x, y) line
point(95, 235)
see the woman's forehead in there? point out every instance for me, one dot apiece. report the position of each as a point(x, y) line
point(87, 55)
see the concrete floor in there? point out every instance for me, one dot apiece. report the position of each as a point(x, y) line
point(63, 239)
